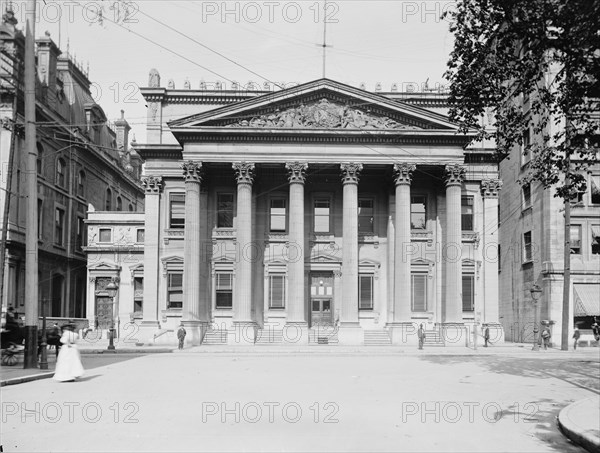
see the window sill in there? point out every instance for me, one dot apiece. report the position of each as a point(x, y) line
point(173, 234)
point(224, 233)
point(527, 263)
point(60, 247)
point(526, 208)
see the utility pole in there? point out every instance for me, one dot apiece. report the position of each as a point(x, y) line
point(564, 338)
point(31, 225)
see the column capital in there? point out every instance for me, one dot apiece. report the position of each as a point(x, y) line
point(244, 172)
point(490, 187)
point(152, 184)
point(455, 174)
point(296, 171)
point(403, 173)
point(350, 172)
point(192, 171)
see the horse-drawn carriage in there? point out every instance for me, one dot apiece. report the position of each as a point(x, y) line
point(12, 341)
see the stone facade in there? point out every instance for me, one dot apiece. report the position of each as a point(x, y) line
point(316, 213)
point(83, 163)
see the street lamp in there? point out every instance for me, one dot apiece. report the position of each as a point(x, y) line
point(536, 292)
point(112, 289)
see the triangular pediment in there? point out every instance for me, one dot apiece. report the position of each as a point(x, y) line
point(104, 266)
point(322, 104)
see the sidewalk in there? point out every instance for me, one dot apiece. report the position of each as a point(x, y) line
point(580, 422)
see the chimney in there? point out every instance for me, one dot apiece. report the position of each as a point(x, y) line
point(47, 54)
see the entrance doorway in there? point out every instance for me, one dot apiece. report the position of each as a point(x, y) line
point(321, 298)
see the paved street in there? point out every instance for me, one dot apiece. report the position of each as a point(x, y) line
point(302, 401)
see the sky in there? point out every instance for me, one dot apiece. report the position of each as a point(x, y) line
point(402, 42)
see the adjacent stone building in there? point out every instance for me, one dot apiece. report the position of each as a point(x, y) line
point(84, 163)
point(315, 213)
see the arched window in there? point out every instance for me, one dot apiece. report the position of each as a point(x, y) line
point(108, 201)
point(81, 183)
point(130, 207)
point(119, 204)
point(61, 167)
point(40, 159)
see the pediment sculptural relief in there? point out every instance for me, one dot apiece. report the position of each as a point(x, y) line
point(322, 114)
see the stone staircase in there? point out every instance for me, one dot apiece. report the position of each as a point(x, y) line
point(215, 336)
point(322, 336)
point(269, 337)
point(377, 338)
point(433, 338)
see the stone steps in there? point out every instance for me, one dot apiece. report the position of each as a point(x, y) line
point(215, 336)
point(322, 336)
point(433, 338)
point(269, 336)
point(377, 338)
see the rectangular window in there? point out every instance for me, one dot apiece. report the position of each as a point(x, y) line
point(277, 291)
point(595, 239)
point(277, 214)
point(224, 290)
point(105, 235)
point(467, 212)
point(225, 210)
point(322, 212)
point(468, 292)
point(527, 247)
point(365, 215)
point(526, 196)
point(175, 290)
point(365, 292)
point(177, 210)
point(418, 212)
point(575, 239)
point(526, 154)
point(595, 189)
point(59, 226)
point(81, 229)
point(419, 292)
point(140, 235)
point(138, 294)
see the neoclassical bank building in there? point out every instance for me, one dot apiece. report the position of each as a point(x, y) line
point(319, 213)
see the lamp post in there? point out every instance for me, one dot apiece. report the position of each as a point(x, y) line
point(536, 292)
point(44, 343)
point(112, 289)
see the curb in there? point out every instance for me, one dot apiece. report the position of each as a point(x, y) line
point(587, 436)
point(23, 379)
point(126, 351)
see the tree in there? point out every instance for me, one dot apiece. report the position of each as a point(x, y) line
point(535, 64)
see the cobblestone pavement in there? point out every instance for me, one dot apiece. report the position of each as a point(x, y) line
point(336, 401)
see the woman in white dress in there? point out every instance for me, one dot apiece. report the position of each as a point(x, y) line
point(68, 364)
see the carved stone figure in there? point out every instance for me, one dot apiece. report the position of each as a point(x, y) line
point(153, 78)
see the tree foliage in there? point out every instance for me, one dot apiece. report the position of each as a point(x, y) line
point(535, 64)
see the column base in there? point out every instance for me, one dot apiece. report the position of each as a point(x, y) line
point(403, 333)
point(295, 333)
point(244, 333)
point(195, 331)
point(146, 332)
point(455, 334)
point(351, 334)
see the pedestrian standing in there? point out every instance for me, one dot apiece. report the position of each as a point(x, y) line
point(596, 329)
point(576, 336)
point(68, 363)
point(181, 335)
point(546, 337)
point(486, 336)
point(421, 336)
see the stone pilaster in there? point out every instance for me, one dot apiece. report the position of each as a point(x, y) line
point(350, 332)
point(149, 326)
point(296, 312)
point(246, 327)
point(400, 325)
point(452, 254)
point(491, 258)
point(192, 255)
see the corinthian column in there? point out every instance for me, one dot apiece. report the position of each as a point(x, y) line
point(245, 327)
point(350, 332)
point(296, 313)
point(149, 325)
point(491, 257)
point(191, 254)
point(452, 253)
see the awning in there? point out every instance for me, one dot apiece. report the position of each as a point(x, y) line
point(587, 299)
